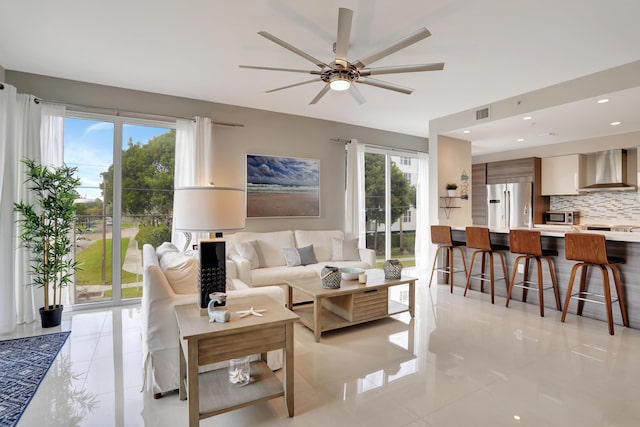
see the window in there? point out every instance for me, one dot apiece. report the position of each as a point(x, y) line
point(126, 191)
point(390, 198)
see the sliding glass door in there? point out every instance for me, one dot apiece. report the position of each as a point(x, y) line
point(125, 196)
point(390, 200)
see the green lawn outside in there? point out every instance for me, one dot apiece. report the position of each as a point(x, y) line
point(91, 264)
point(133, 292)
point(405, 263)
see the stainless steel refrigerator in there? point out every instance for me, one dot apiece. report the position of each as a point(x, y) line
point(510, 205)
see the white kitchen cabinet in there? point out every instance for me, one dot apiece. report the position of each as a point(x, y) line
point(562, 175)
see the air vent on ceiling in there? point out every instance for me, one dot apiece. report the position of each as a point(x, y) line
point(482, 113)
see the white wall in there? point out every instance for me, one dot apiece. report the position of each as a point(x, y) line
point(264, 132)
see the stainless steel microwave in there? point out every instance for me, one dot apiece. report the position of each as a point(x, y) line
point(561, 217)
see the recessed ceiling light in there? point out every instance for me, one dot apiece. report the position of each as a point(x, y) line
point(466, 131)
point(527, 118)
point(615, 123)
point(603, 100)
point(520, 139)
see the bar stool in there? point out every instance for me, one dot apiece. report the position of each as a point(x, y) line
point(478, 238)
point(441, 236)
point(591, 251)
point(529, 244)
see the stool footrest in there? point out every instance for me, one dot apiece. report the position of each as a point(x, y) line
point(449, 270)
point(582, 296)
point(525, 285)
point(482, 276)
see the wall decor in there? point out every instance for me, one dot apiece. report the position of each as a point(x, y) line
point(282, 186)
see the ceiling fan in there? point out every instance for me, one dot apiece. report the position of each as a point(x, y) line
point(341, 74)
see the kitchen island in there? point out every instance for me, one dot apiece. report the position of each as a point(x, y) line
point(619, 244)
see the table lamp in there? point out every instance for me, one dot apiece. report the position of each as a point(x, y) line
point(209, 209)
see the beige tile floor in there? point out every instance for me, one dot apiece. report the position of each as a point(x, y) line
point(460, 362)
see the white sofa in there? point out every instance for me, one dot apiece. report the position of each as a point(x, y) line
point(170, 279)
point(330, 248)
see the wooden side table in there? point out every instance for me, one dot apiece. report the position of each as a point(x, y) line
point(203, 343)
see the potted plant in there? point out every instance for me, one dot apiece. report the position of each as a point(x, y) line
point(46, 227)
point(451, 189)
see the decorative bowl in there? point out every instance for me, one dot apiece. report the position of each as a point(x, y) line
point(350, 273)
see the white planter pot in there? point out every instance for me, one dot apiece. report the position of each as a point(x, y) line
point(451, 193)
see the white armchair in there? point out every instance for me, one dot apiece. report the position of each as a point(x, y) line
point(160, 345)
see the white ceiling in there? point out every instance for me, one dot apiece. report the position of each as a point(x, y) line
point(493, 49)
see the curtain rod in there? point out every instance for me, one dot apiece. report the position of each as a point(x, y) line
point(381, 147)
point(130, 114)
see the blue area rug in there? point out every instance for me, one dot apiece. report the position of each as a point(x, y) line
point(23, 364)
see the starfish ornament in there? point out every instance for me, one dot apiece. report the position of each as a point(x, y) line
point(251, 312)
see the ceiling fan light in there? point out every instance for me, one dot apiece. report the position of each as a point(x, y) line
point(340, 84)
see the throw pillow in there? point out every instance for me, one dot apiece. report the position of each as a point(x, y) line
point(291, 257)
point(345, 250)
point(251, 251)
point(165, 248)
point(181, 272)
point(307, 255)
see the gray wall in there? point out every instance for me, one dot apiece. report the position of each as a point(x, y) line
point(264, 132)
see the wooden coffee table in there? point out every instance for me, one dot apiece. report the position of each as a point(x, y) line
point(203, 343)
point(350, 304)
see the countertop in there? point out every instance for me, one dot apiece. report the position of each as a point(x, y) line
point(560, 230)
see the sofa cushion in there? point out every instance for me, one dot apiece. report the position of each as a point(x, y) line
point(278, 275)
point(270, 243)
point(345, 250)
point(320, 239)
point(181, 272)
point(251, 251)
point(299, 256)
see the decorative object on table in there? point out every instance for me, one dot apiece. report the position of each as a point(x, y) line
point(330, 277)
point(451, 189)
point(23, 365)
point(209, 209)
point(350, 273)
point(251, 312)
point(47, 225)
point(464, 185)
point(216, 314)
point(219, 315)
point(282, 186)
point(219, 299)
point(392, 269)
point(240, 371)
point(362, 278)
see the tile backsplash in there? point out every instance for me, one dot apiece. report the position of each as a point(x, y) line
point(619, 207)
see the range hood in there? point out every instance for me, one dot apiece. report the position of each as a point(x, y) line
point(607, 171)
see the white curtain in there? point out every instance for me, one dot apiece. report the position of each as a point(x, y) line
point(193, 162)
point(19, 139)
point(422, 212)
point(354, 220)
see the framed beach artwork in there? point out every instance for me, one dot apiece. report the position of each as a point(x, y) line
point(282, 186)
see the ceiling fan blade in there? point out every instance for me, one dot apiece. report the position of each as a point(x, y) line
point(402, 69)
point(293, 85)
point(293, 49)
point(384, 85)
point(254, 67)
point(418, 35)
point(320, 94)
point(357, 95)
point(345, 17)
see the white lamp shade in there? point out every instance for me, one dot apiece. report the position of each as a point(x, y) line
point(209, 209)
